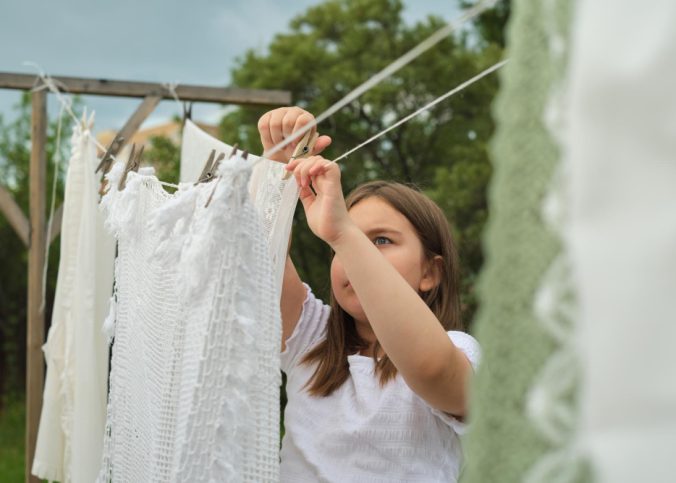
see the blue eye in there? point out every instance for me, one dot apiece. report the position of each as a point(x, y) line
point(381, 240)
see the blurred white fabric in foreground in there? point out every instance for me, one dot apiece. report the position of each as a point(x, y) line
point(622, 153)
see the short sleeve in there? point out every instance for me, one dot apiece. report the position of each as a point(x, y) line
point(470, 347)
point(310, 328)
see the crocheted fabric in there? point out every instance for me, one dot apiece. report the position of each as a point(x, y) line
point(525, 382)
point(195, 371)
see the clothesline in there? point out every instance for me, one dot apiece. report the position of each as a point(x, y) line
point(436, 101)
point(426, 107)
point(66, 102)
point(55, 87)
point(393, 67)
point(422, 47)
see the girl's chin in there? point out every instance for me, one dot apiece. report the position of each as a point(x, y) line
point(350, 304)
point(355, 311)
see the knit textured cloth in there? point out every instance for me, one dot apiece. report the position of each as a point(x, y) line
point(73, 415)
point(195, 371)
point(525, 383)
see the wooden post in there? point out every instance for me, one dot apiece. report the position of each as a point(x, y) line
point(35, 330)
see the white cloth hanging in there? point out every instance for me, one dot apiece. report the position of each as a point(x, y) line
point(145, 313)
point(70, 434)
point(274, 198)
point(195, 371)
point(622, 152)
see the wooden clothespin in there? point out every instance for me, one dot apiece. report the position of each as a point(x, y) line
point(107, 158)
point(207, 167)
point(87, 121)
point(217, 163)
point(245, 154)
point(187, 111)
point(107, 161)
point(233, 152)
point(210, 168)
point(133, 163)
point(303, 149)
point(84, 122)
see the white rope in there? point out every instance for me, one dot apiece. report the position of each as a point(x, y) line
point(66, 103)
point(57, 162)
point(56, 88)
point(416, 51)
point(171, 87)
point(436, 101)
point(405, 59)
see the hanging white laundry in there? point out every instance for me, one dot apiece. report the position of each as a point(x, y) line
point(274, 198)
point(195, 371)
point(622, 156)
point(146, 312)
point(70, 435)
point(231, 396)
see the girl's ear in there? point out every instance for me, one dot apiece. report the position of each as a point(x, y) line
point(432, 274)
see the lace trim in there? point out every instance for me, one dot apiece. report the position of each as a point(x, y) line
point(552, 400)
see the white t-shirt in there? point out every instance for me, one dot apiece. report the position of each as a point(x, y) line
point(363, 432)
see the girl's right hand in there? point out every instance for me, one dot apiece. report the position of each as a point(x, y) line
point(276, 125)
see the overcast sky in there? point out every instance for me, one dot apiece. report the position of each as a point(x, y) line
point(189, 42)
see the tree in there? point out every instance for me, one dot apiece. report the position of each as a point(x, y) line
point(490, 25)
point(335, 46)
point(14, 161)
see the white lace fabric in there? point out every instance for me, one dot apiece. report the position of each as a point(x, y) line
point(195, 371)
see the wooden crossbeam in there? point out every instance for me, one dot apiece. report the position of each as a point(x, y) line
point(15, 216)
point(107, 87)
point(144, 110)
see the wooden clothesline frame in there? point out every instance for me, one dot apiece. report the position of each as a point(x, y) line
point(32, 230)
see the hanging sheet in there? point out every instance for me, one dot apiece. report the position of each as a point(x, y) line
point(73, 415)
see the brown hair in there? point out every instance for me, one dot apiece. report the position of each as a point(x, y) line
point(342, 339)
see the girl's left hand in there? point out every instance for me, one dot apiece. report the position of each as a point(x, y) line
point(325, 211)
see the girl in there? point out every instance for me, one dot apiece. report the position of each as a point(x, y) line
point(377, 389)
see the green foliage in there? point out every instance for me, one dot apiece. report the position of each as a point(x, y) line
point(14, 162)
point(165, 157)
point(490, 25)
point(337, 45)
point(326, 52)
point(12, 426)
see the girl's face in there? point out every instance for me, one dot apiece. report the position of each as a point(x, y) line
point(396, 239)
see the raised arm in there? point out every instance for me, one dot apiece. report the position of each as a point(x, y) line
point(406, 328)
point(273, 127)
point(293, 296)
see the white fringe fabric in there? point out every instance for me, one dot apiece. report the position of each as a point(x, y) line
point(195, 371)
point(274, 198)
